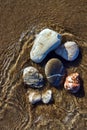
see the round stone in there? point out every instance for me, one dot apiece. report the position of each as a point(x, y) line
point(34, 97)
point(47, 96)
point(32, 77)
point(69, 51)
point(54, 71)
point(46, 41)
point(72, 83)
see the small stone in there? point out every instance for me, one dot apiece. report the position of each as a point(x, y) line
point(69, 51)
point(32, 77)
point(54, 71)
point(47, 97)
point(46, 41)
point(34, 97)
point(72, 83)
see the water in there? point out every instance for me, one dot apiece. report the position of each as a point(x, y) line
point(65, 112)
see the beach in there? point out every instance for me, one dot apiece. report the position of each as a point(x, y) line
point(20, 21)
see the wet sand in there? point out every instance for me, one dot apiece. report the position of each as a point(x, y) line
point(64, 16)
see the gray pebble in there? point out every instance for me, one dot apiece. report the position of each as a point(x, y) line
point(54, 71)
point(32, 77)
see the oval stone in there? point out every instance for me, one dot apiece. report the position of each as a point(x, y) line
point(34, 97)
point(47, 96)
point(72, 83)
point(32, 77)
point(69, 51)
point(54, 71)
point(46, 41)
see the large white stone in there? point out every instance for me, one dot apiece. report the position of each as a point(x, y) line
point(46, 41)
point(69, 50)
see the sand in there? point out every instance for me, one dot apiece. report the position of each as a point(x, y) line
point(31, 16)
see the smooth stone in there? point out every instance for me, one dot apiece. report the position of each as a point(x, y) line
point(34, 97)
point(32, 77)
point(46, 41)
point(54, 71)
point(47, 96)
point(69, 51)
point(72, 83)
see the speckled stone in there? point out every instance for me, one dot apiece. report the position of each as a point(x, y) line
point(34, 97)
point(69, 51)
point(32, 77)
point(54, 71)
point(47, 96)
point(46, 41)
point(72, 83)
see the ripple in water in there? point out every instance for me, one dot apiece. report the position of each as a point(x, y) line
point(15, 110)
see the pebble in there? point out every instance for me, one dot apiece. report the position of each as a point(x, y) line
point(46, 41)
point(72, 83)
point(54, 71)
point(32, 77)
point(69, 50)
point(34, 97)
point(47, 96)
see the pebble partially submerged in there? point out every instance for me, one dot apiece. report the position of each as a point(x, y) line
point(34, 97)
point(54, 71)
point(32, 77)
point(47, 97)
point(46, 41)
point(69, 51)
point(72, 83)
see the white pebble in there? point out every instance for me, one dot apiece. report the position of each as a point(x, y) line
point(34, 97)
point(69, 51)
point(47, 96)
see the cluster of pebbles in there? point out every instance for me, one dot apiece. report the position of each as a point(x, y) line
point(35, 97)
point(45, 42)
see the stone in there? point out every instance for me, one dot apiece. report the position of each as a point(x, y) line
point(32, 77)
point(72, 83)
point(47, 97)
point(54, 71)
point(46, 41)
point(69, 51)
point(34, 97)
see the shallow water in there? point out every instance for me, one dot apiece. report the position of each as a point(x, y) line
point(67, 111)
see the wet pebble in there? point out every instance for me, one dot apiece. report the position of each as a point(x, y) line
point(72, 83)
point(69, 51)
point(47, 97)
point(32, 77)
point(54, 71)
point(34, 97)
point(46, 41)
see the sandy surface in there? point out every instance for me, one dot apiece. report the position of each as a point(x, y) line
point(16, 16)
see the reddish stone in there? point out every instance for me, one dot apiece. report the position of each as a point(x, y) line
point(72, 82)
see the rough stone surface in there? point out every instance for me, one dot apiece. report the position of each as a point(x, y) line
point(69, 51)
point(72, 83)
point(47, 97)
point(32, 77)
point(54, 71)
point(46, 41)
point(34, 97)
